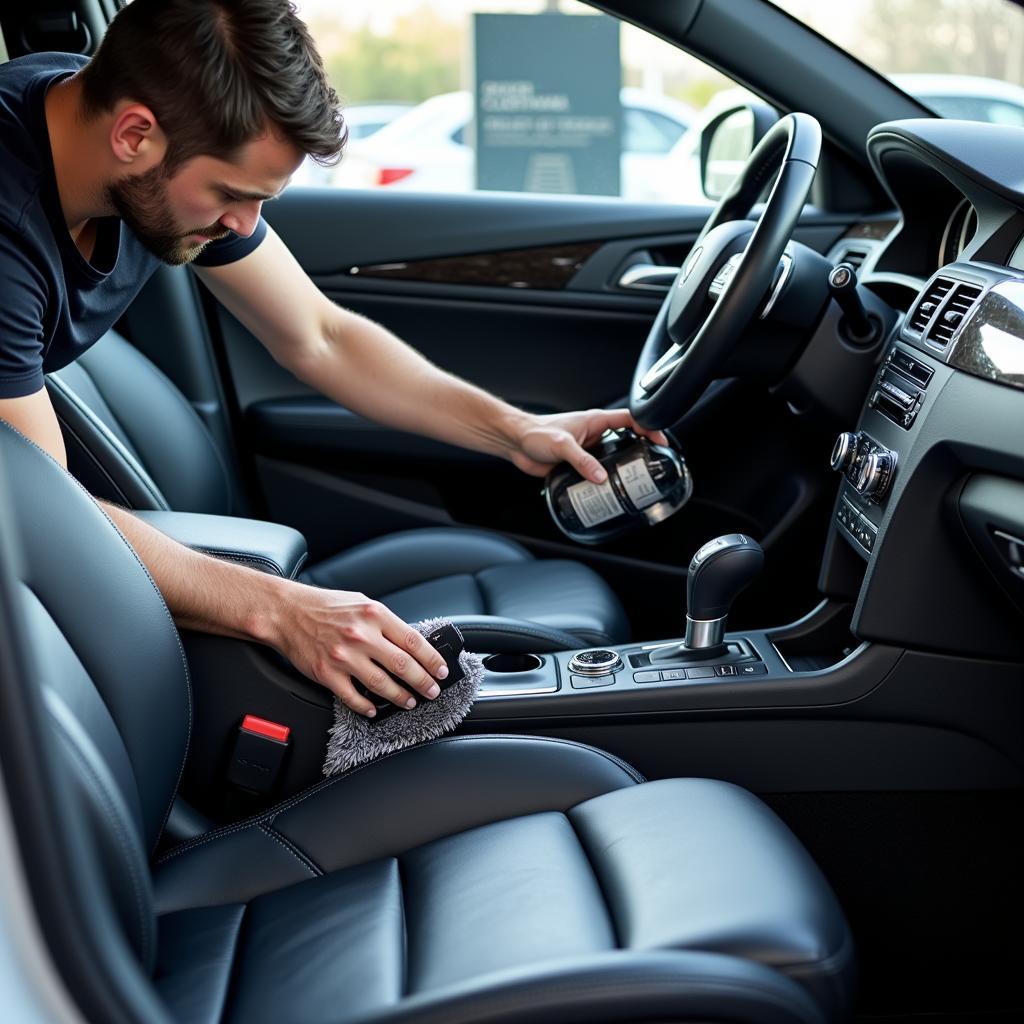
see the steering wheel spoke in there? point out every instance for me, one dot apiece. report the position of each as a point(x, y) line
point(669, 360)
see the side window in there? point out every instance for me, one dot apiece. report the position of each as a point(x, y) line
point(644, 131)
point(515, 96)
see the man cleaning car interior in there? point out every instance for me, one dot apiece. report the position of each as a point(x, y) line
point(163, 147)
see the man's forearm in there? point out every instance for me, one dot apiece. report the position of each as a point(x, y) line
point(367, 369)
point(202, 593)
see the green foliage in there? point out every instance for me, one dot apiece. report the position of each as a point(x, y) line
point(698, 92)
point(420, 58)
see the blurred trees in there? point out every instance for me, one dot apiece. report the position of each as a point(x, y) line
point(426, 52)
point(420, 58)
point(962, 37)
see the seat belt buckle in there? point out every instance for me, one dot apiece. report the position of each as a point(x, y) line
point(258, 756)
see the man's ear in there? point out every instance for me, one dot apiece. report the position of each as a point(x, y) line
point(136, 137)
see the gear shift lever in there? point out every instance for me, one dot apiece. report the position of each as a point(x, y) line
point(718, 572)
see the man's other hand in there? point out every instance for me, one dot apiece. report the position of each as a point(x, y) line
point(545, 441)
point(335, 636)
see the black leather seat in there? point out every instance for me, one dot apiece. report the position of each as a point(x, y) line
point(472, 878)
point(133, 438)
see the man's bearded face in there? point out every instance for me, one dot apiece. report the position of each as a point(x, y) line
point(142, 203)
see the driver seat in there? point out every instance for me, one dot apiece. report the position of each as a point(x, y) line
point(133, 438)
point(510, 879)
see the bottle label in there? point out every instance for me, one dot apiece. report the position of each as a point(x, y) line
point(639, 484)
point(594, 503)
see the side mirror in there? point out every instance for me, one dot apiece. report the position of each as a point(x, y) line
point(727, 142)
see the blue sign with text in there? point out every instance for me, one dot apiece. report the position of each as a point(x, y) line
point(548, 114)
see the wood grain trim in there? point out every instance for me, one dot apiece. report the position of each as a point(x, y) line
point(549, 268)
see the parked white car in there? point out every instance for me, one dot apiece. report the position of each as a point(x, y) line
point(363, 120)
point(967, 97)
point(426, 149)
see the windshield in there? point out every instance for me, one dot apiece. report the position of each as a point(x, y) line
point(960, 58)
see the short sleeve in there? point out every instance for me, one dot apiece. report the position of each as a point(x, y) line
point(232, 248)
point(22, 313)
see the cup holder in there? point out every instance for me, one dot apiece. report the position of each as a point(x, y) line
point(512, 662)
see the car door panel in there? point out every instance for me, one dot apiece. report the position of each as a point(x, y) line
point(519, 295)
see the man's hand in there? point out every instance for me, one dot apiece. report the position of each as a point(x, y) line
point(545, 441)
point(334, 636)
point(330, 635)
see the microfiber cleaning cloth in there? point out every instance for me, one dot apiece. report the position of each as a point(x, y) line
point(355, 739)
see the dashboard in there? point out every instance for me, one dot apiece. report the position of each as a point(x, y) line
point(931, 503)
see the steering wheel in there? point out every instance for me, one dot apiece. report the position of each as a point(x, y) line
point(739, 263)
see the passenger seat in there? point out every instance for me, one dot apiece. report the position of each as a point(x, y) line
point(133, 438)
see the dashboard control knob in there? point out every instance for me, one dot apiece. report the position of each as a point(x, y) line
point(595, 662)
point(844, 451)
point(875, 476)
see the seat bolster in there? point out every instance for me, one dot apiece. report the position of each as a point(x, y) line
point(559, 594)
point(495, 633)
point(610, 987)
point(443, 788)
point(405, 559)
point(382, 809)
point(229, 865)
point(190, 472)
point(97, 457)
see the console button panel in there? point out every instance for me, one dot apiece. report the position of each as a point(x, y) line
point(899, 392)
point(856, 525)
point(869, 457)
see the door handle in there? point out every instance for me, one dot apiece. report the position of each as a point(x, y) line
point(648, 277)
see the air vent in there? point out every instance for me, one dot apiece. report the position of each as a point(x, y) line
point(953, 313)
point(928, 306)
point(855, 255)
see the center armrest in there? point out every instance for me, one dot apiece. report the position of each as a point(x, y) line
point(269, 547)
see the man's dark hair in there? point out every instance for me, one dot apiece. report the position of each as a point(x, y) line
point(217, 74)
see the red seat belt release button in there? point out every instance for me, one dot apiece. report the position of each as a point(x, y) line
point(263, 727)
point(259, 754)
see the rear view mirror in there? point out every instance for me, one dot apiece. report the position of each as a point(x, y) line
point(727, 142)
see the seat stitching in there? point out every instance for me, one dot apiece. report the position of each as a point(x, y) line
point(163, 604)
point(302, 797)
point(271, 815)
point(307, 862)
point(67, 426)
point(252, 560)
point(219, 833)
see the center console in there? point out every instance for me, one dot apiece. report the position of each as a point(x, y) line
point(814, 659)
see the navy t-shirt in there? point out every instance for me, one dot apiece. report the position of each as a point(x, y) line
point(54, 303)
